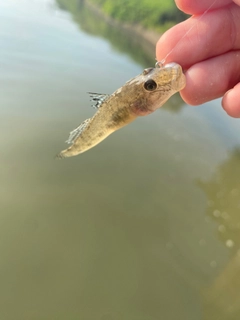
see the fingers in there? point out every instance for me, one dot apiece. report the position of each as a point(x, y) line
point(195, 40)
point(210, 79)
point(231, 102)
point(198, 7)
point(208, 48)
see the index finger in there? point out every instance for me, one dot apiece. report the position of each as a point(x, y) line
point(198, 39)
point(199, 6)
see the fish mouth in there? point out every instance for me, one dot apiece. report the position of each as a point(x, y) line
point(179, 79)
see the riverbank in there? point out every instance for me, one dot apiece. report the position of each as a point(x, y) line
point(147, 35)
point(160, 20)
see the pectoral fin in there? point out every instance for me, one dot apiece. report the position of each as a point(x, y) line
point(76, 132)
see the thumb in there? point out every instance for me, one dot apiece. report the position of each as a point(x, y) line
point(231, 101)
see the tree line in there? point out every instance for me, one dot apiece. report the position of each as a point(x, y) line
point(158, 15)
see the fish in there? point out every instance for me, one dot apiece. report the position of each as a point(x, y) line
point(140, 96)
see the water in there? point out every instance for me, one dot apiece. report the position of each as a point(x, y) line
point(144, 226)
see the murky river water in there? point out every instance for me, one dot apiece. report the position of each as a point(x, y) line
point(146, 225)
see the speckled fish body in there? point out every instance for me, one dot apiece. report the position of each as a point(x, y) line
point(140, 96)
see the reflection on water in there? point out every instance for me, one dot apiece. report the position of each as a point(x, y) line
point(120, 40)
point(223, 194)
point(131, 229)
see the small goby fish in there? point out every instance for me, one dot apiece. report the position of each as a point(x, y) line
point(139, 96)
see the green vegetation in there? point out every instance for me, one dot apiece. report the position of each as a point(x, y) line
point(158, 15)
point(152, 14)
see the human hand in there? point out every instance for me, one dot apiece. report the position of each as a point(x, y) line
point(209, 53)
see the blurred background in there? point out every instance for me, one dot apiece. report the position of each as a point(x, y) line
point(144, 226)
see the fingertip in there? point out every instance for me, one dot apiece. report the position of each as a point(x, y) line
point(169, 45)
point(198, 7)
point(158, 49)
point(188, 98)
point(195, 91)
point(163, 45)
point(184, 5)
point(237, 2)
point(231, 102)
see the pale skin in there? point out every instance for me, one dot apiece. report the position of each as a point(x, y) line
point(209, 53)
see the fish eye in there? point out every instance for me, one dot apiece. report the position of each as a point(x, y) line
point(150, 85)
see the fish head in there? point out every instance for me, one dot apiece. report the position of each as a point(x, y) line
point(154, 87)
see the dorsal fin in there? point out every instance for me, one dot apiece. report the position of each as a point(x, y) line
point(97, 98)
point(76, 132)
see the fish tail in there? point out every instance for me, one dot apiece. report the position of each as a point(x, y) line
point(70, 152)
